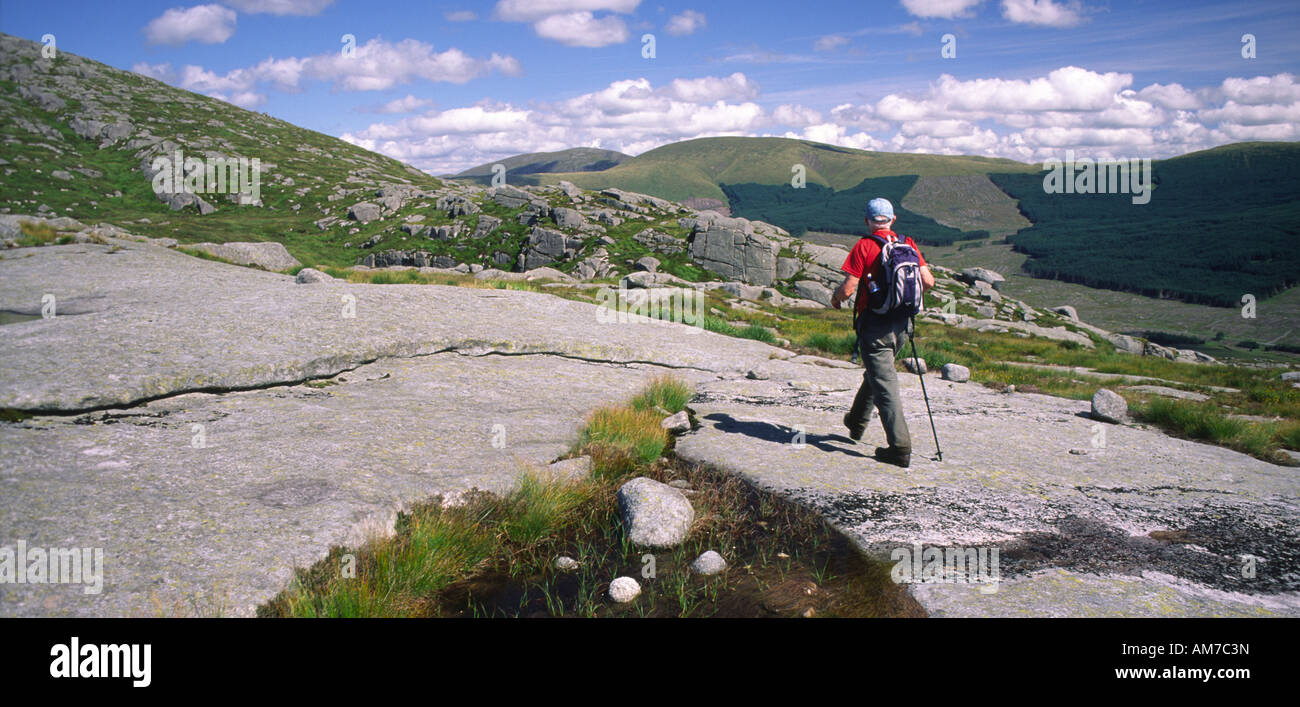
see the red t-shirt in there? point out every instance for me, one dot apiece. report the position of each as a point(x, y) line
point(866, 252)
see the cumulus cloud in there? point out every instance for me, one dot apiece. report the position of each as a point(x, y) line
point(796, 116)
point(376, 65)
point(711, 88)
point(207, 24)
point(279, 7)
point(1281, 88)
point(572, 22)
point(1043, 12)
point(1066, 89)
point(582, 29)
point(405, 104)
point(945, 9)
point(686, 23)
point(630, 115)
point(1170, 96)
point(1096, 114)
point(533, 10)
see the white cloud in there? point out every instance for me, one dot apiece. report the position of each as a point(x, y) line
point(406, 104)
point(279, 7)
point(244, 99)
point(829, 42)
point(208, 24)
point(1281, 88)
point(945, 9)
point(162, 72)
point(379, 65)
point(375, 66)
point(1096, 114)
point(460, 16)
point(796, 116)
point(1236, 114)
point(1172, 96)
point(533, 10)
point(630, 115)
point(582, 29)
point(686, 23)
point(711, 88)
point(858, 116)
point(1066, 89)
point(937, 128)
point(573, 22)
point(1043, 12)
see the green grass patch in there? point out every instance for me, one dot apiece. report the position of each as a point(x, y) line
point(637, 431)
point(1205, 422)
point(664, 392)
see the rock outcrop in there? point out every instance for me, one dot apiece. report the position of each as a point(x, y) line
point(268, 255)
point(731, 248)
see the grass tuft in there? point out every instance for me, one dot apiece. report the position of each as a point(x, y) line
point(665, 392)
point(638, 431)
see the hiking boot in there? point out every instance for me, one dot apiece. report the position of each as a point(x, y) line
point(855, 431)
point(895, 456)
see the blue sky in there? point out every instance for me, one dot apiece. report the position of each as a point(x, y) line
point(447, 85)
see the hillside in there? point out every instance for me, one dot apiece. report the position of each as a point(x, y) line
point(819, 208)
point(696, 168)
point(79, 135)
point(1220, 224)
point(520, 167)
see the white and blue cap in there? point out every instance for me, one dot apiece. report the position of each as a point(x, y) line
point(880, 210)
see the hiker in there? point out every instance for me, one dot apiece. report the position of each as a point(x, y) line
point(881, 335)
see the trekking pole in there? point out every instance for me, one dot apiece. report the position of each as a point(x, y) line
point(919, 374)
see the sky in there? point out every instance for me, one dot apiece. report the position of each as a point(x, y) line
point(449, 85)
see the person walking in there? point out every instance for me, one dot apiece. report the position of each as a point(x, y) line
point(880, 335)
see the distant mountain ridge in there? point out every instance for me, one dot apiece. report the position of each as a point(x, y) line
point(696, 168)
point(574, 159)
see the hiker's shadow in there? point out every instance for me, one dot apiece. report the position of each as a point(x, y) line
point(781, 434)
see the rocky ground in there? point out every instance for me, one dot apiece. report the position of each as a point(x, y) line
point(212, 426)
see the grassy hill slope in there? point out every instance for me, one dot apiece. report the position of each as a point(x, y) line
point(576, 159)
point(304, 173)
point(695, 168)
point(1220, 224)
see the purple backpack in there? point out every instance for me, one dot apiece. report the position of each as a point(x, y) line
point(900, 293)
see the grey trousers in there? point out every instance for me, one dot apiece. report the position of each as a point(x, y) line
point(879, 342)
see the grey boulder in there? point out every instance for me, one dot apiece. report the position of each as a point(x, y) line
point(308, 276)
point(815, 291)
point(679, 423)
point(1109, 406)
point(955, 372)
point(1068, 311)
point(974, 275)
point(364, 212)
point(655, 515)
